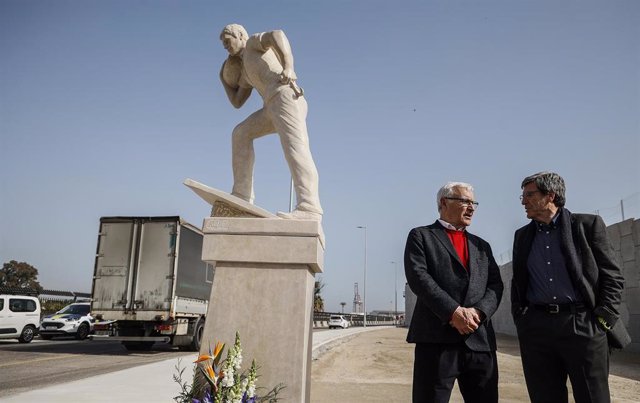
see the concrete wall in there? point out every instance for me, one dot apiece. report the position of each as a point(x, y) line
point(625, 239)
point(502, 321)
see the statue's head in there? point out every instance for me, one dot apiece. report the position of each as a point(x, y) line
point(234, 37)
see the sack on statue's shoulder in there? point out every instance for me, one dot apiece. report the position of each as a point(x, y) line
point(232, 71)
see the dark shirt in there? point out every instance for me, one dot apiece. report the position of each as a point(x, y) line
point(549, 281)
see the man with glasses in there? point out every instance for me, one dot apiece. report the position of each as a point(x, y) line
point(458, 285)
point(565, 294)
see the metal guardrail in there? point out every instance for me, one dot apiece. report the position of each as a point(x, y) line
point(321, 319)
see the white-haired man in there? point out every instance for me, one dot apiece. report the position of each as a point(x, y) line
point(264, 61)
point(458, 287)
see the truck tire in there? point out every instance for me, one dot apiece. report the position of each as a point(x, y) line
point(83, 331)
point(137, 345)
point(27, 334)
point(197, 336)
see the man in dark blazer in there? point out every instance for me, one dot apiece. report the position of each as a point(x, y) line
point(458, 287)
point(565, 295)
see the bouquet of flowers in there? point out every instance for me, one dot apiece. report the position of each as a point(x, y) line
point(224, 381)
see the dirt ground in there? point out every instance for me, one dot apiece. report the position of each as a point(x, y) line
point(377, 366)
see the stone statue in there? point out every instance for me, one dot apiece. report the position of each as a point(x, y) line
point(264, 61)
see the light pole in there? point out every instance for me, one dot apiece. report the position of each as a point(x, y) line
point(364, 291)
point(395, 292)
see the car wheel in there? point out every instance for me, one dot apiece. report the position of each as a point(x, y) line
point(197, 336)
point(83, 331)
point(27, 334)
point(46, 336)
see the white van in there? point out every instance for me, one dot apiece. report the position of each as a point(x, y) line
point(19, 316)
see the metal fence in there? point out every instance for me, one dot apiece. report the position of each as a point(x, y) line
point(321, 319)
point(71, 296)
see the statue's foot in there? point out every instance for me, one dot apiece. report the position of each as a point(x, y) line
point(300, 215)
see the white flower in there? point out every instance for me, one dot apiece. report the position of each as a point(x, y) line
point(227, 381)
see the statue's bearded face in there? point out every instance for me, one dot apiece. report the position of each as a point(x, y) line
point(232, 44)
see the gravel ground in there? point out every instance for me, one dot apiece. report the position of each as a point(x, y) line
point(376, 366)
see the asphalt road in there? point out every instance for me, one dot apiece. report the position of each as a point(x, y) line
point(41, 363)
point(24, 367)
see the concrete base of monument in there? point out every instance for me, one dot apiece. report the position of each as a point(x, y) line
point(263, 289)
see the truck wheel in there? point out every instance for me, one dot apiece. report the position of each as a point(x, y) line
point(137, 345)
point(83, 331)
point(197, 336)
point(27, 334)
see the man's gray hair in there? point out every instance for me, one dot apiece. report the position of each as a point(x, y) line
point(235, 30)
point(548, 182)
point(447, 190)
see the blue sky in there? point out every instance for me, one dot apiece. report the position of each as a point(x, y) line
point(107, 106)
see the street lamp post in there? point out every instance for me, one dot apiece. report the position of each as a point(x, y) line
point(395, 292)
point(364, 291)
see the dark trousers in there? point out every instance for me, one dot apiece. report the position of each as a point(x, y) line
point(437, 366)
point(555, 346)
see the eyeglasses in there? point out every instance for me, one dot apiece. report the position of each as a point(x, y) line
point(527, 195)
point(464, 202)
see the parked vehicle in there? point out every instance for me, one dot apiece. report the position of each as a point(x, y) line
point(73, 319)
point(336, 321)
point(150, 283)
point(19, 314)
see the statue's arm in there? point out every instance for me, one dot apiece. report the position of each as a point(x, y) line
point(278, 42)
point(237, 95)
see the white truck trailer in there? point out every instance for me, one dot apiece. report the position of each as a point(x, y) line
point(150, 283)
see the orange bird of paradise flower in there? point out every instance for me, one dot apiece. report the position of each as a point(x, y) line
point(212, 372)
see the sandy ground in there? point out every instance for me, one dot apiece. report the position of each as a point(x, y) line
point(377, 366)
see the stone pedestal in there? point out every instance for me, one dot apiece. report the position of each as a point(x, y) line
point(263, 288)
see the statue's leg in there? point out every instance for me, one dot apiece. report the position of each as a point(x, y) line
point(289, 114)
point(243, 156)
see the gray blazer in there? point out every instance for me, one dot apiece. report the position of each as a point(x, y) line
point(441, 283)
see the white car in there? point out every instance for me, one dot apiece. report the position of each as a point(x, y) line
point(336, 321)
point(19, 316)
point(73, 319)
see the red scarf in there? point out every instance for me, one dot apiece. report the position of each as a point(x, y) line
point(459, 241)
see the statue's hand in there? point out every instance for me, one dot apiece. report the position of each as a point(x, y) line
point(287, 76)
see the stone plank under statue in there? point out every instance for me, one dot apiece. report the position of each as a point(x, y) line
point(263, 288)
point(232, 205)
